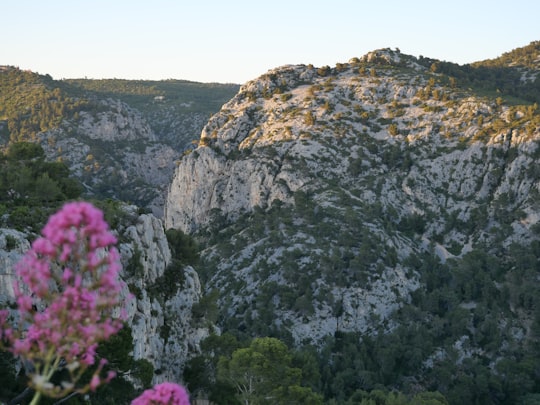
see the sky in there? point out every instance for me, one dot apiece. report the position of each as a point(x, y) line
point(236, 41)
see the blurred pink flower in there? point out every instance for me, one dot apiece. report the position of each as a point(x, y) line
point(67, 294)
point(163, 394)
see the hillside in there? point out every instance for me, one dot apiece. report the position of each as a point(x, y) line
point(513, 74)
point(383, 211)
point(119, 137)
point(176, 110)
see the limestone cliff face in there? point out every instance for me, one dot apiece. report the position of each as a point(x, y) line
point(13, 244)
point(373, 160)
point(118, 122)
point(162, 328)
point(229, 186)
point(115, 153)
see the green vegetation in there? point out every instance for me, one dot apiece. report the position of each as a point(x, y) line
point(264, 371)
point(31, 103)
point(496, 77)
point(526, 56)
point(31, 188)
point(147, 94)
point(448, 341)
point(117, 350)
point(11, 385)
point(185, 252)
point(183, 247)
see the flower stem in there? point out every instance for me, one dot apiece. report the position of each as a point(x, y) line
point(37, 397)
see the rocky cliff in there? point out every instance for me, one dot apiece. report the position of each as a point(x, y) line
point(160, 316)
point(316, 189)
point(114, 152)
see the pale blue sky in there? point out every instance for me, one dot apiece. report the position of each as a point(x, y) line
point(238, 40)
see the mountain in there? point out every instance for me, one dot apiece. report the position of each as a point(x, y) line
point(61, 141)
point(119, 137)
point(384, 211)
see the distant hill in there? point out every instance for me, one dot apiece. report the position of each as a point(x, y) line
point(526, 57)
point(31, 103)
point(120, 138)
point(175, 109)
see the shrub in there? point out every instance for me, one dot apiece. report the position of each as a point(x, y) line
point(11, 242)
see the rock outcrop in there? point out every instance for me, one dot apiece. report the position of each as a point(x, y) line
point(13, 244)
point(161, 325)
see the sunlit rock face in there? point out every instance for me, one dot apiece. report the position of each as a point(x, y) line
point(324, 180)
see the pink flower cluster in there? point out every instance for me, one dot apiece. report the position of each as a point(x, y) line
point(68, 294)
point(163, 394)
